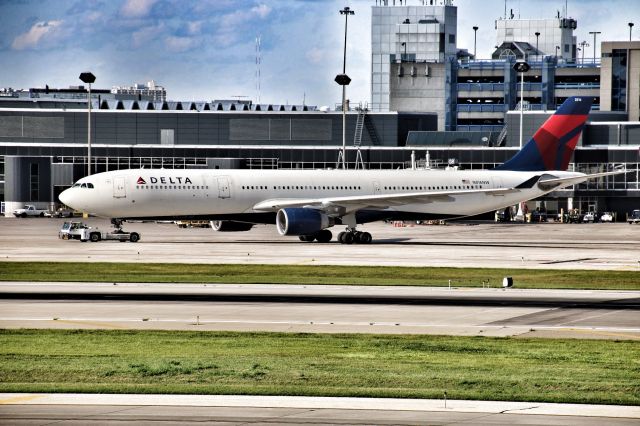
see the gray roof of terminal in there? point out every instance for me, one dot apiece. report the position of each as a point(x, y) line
point(197, 106)
point(132, 105)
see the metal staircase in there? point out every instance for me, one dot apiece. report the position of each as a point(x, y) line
point(361, 124)
point(357, 137)
point(502, 137)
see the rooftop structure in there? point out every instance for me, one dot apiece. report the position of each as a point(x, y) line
point(554, 36)
point(149, 91)
point(621, 77)
point(424, 33)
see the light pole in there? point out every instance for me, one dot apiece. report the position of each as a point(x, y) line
point(557, 48)
point(595, 33)
point(521, 66)
point(475, 33)
point(630, 27)
point(537, 33)
point(88, 77)
point(404, 58)
point(584, 44)
point(344, 80)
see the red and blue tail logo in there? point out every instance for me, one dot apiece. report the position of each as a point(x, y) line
point(552, 145)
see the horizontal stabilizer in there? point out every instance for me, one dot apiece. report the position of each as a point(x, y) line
point(553, 182)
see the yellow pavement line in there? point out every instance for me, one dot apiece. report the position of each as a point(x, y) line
point(19, 399)
point(605, 333)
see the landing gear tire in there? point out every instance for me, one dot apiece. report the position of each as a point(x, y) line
point(324, 236)
point(348, 238)
point(354, 237)
point(364, 238)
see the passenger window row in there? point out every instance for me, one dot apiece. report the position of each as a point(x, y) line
point(431, 188)
point(301, 187)
point(386, 188)
point(172, 187)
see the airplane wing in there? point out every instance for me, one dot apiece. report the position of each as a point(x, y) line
point(343, 205)
point(550, 181)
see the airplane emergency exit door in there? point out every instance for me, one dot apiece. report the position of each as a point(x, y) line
point(119, 188)
point(224, 191)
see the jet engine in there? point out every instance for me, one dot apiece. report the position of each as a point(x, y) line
point(301, 221)
point(230, 226)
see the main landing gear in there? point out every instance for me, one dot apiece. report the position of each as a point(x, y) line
point(323, 236)
point(351, 236)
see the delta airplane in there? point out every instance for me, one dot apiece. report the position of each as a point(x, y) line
point(307, 203)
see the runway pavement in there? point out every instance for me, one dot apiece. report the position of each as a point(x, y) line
point(489, 312)
point(549, 246)
point(326, 309)
point(40, 409)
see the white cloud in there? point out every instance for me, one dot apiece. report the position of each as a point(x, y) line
point(232, 20)
point(229, 29)
point(180, 44)
point(194, 27)
point(40, 31)
point(136, 8)
point(316, 55)
point(146, 35)
point(262, 10)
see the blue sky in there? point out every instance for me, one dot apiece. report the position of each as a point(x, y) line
point(205, 49)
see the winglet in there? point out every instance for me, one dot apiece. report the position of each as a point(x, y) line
point(552, 145)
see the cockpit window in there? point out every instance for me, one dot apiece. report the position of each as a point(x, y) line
point(83, 185)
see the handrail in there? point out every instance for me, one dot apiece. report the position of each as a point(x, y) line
point(482, 107)
point(490, 87)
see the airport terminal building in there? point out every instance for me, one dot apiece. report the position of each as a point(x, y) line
point(429, 99)
point(43, 151)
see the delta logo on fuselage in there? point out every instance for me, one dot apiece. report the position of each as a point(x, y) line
point(179, 180)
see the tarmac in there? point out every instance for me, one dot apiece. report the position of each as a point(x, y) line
point(234, 409)
point(597, 246)
point(323, 309)
point(497, 312)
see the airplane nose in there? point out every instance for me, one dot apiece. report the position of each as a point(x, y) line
point(65, 197)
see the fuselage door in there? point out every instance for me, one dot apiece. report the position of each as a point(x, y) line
point(497, 182)
point(119, 187)
point(224, 191)
point(376, 187)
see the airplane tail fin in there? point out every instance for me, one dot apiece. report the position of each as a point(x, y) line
point(551, 146)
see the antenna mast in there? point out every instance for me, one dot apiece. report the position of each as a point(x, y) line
point(258, 62)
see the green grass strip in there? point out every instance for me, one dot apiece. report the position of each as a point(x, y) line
point(480, 368)
point(305, 274)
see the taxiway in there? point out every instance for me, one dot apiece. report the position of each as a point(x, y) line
point(595, 246)
point(322, 308)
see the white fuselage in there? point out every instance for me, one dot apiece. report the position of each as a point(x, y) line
point(141, 193)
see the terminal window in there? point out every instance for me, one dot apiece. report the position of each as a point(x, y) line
point(272, 129)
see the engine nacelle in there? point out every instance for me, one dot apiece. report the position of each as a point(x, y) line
point(301, 221)
point(230, 226)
